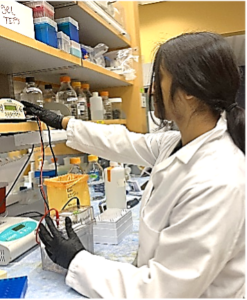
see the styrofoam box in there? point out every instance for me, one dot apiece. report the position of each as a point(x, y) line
point(108, 230)
point(17, 17)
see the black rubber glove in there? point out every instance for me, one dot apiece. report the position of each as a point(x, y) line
point(50, 118)
point(60, 250)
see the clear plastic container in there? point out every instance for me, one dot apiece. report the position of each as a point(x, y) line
point(63, 42)
point(82, 110)
point(86, 90)
point(117, 112)
point(49, 95)
point(107, 105)
point(67, 95)
point(70, 27)
point(31, 93)
point(46, 31)
point(82, 219)
point(97, 108)
point(41, 9)
point(95, 180)
point(76, 168)
point(75, 49)
point(119, 13)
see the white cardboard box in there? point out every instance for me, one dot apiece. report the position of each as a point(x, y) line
point(17, 17)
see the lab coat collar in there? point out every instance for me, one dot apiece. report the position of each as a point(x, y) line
point(188, 151)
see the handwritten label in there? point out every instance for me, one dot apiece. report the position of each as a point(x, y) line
point(8, 14)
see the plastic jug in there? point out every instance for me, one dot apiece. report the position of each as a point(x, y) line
point(115, 186)
point(97, 108)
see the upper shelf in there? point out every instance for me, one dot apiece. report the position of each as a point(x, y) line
point(93, 29)
point(22, 56)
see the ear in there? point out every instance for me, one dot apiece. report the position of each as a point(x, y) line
point(188, 97)
point(184, 95)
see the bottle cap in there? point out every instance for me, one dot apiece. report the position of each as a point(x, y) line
point(64, 79)
point(92, 158)
point(85, 85)
point(75, 160)
point(114, 164)
point(30, 79)
point(48, 86)
point(95, 94)
point(76, 84)
point(104, 93)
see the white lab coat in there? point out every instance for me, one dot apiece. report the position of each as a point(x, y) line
point(191, 237)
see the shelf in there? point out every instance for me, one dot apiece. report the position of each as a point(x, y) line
point(7, 128)
point(20, 54)
point(25, 140)
point(23, 56)
point(99, 77)
point(93, 29)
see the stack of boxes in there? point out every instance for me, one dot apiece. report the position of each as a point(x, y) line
point(70, 28)
point(45, 27)
point(62, 33)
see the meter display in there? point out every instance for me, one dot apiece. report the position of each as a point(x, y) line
point(10, 107)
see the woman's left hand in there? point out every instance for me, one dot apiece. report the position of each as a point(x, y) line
point(60, 250)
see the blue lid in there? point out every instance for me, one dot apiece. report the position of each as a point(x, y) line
point(45, 173)
point(45, 20)
point(13, 287)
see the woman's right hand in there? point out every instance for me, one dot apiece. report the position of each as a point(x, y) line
point(50, 118)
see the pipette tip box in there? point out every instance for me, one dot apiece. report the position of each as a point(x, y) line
point(112, 226)
point(13, 287)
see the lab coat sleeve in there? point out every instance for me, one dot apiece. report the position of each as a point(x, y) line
point(190, 253)
point(115, 142)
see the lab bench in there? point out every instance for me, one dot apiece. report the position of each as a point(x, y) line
point(46, 284)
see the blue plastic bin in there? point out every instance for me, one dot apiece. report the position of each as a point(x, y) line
point(45, 32)
point(70, 27)
point(13, 287)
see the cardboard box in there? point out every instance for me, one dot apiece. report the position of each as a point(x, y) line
point(17, 17)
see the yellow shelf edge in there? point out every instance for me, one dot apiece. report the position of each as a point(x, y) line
point(37, 45)
point(89, 65)
point(33, 126)
point(104, 23)
point(108, 122)
point(20, 127)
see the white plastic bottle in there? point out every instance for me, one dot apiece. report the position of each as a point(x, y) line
point(115, 186)
point(97, 108)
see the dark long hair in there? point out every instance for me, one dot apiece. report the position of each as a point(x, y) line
point(204, 66)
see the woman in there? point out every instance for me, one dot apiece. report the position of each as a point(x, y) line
point(191, 237)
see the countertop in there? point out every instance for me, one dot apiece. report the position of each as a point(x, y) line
point(46, 284)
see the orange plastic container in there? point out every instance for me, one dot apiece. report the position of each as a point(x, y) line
point(61, 189)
